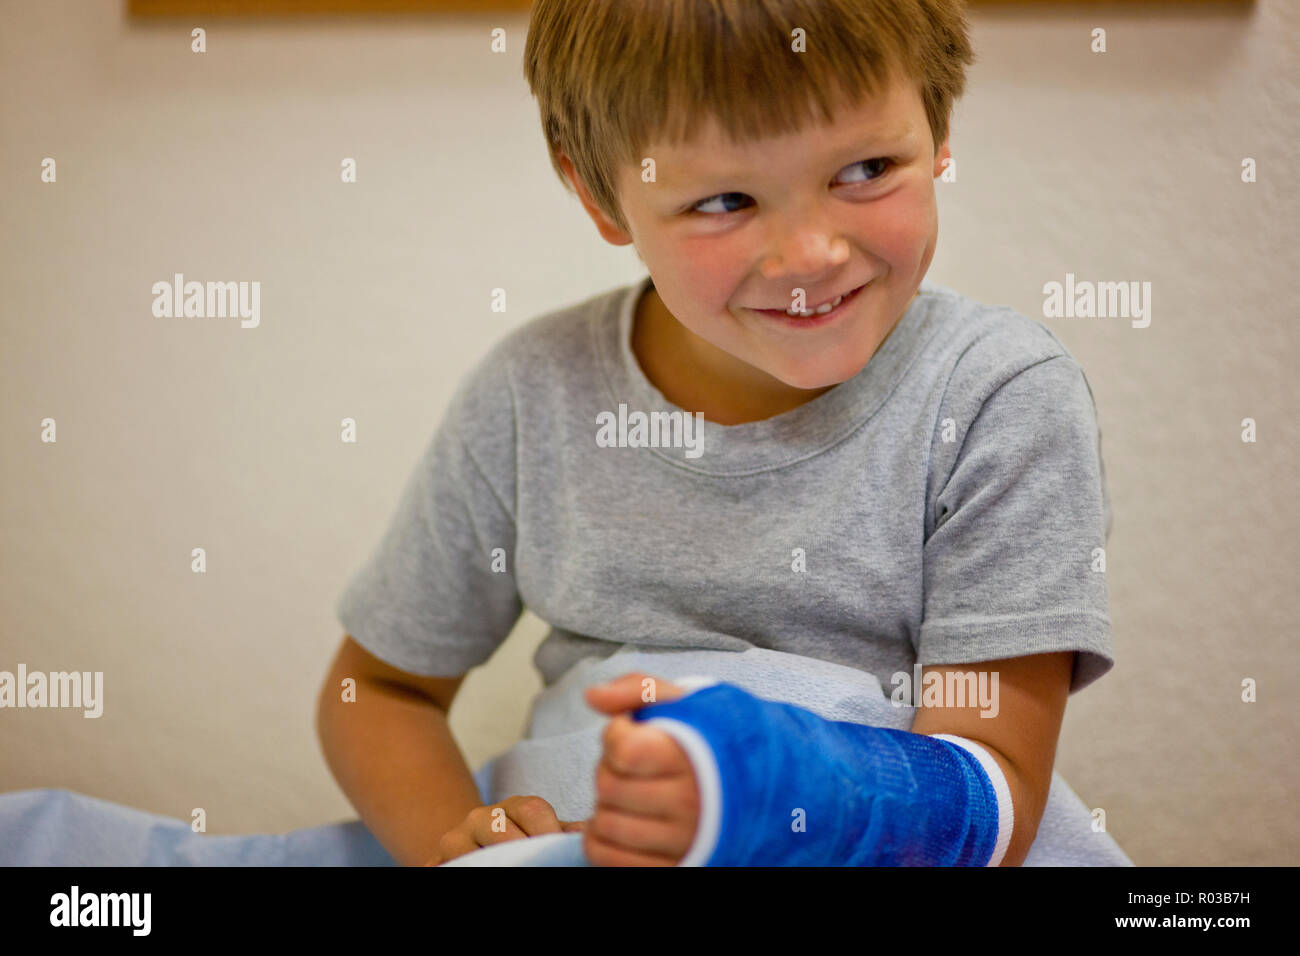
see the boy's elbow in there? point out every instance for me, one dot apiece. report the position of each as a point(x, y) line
point(318, 723)
point(326, 697)
point(1028, 800)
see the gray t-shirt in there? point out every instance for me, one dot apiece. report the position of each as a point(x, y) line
point(946, 505)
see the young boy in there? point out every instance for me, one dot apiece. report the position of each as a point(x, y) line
point(868, 472)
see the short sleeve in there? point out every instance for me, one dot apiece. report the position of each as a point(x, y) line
point(1012, 566)
point(437, 597)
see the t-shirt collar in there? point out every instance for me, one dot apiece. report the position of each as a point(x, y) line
point(779, 441)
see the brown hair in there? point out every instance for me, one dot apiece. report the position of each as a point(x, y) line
point(613, 76)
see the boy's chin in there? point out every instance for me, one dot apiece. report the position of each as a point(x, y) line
point(811, 378)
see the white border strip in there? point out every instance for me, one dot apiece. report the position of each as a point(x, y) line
point(1006, 813)
point(702, 760)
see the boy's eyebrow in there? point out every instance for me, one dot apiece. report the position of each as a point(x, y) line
point(690, 178)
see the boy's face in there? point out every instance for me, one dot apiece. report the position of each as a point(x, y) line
point(825, 211)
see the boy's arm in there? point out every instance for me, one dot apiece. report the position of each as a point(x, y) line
point(1022, 738)
point(393, 754)
point(870, 795)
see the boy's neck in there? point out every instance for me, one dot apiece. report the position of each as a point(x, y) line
point(699, 377)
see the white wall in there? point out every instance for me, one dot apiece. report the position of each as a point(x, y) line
point(174, 434)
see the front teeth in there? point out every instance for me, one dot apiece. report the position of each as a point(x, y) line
point(820, 310)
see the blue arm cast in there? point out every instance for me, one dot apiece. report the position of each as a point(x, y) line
point(781, 786)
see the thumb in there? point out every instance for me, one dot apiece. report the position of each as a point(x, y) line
point(573, 826)
point(626, 693)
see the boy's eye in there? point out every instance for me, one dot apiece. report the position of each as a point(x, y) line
point(882, 164)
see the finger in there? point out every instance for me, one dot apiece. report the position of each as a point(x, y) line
point(631, 692)
point(603, 853)
point(492, 824)
point(673, 798)
point(622, 693)
point(573, 826)
point(456, 843)
point(628, 831)
point(533, 815)
point(635, 749)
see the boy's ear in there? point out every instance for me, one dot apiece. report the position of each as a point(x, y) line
point(940, 157)
point(607, 227)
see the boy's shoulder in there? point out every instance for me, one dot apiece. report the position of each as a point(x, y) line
point(978, 347)
point(553, 354)
point(989, 340)
point(562, 332)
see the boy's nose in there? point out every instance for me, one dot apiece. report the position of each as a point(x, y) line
point(805, 255)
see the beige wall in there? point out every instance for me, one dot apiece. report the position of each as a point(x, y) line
point(174, 434)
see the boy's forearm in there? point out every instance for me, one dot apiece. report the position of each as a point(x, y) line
point(393, 754)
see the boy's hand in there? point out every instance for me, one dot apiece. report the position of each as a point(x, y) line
point(526, 816)
point(647, 799)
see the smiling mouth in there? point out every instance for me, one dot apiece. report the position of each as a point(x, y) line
point(822, 309)
point(818, 316)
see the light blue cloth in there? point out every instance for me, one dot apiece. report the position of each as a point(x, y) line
point(56, 827)
point(59, 827)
